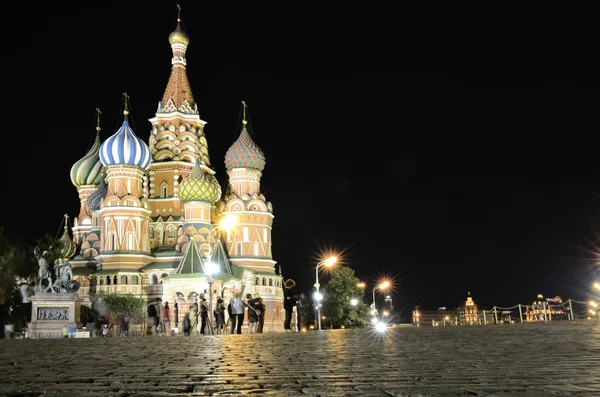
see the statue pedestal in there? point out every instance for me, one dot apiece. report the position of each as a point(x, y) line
point(50, 312)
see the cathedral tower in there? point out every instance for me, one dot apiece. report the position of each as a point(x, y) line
point(86, 175)
point(124, 215)
point(249, 241)
point(176, 141)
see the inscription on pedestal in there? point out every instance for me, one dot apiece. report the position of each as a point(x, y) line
point(53, 313)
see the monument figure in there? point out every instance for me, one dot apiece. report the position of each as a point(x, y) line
point(44, 274)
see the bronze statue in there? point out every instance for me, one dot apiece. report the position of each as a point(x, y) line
point(44, 273)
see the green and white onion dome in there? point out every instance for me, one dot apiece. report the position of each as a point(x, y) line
point(244, 153)
point(88, 170)
point(68, 246)
point(200, 185)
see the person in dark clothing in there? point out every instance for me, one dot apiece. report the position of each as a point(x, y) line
point(288, 303)
point(187, 324)
point(260, 307)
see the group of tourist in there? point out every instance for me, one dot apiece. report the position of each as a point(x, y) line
point(226, 319)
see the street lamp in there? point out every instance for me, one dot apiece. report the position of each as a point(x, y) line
point(383, 285)
point(327, 262)
point(210, 268)
point(354, 301)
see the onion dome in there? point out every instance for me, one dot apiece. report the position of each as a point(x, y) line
point(68, 246)
point(200, 185)
point(178, 36)
point(94, 200)
point(87, 171)
point(244, 153)
point(125, 148)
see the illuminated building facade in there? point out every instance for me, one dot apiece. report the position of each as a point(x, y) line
point(465, 314)
point(545, 309)
point(150, 213)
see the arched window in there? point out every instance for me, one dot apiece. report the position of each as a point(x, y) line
point(107, 280)
point(257, 282)
point(270, 282)
point(134, 280)
point(115, 279)
point(153, 279)
point(124, 280)
point(264, 281)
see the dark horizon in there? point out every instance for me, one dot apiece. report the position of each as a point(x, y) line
point(453, 156)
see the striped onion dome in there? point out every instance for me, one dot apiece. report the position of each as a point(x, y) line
point(244, 153)
point(93, 201)
point(88, 170)
point(125, 148)
point(200, 185)
point(68, 246)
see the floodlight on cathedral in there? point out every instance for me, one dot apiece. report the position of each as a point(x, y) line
point(244, 153)
point(88, 170)
point(200, 185)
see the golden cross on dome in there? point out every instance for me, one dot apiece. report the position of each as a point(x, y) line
point(126, 111)
point(98, 113)
point(66, 221)
point(178, 13)
point(244, 121)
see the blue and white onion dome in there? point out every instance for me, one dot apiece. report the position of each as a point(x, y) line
point(125, 148)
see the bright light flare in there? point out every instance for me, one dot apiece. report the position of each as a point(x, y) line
point(384, 285)
point(318, 296)
point(228, 222)
point(593, 304)
point(330, 261)
point(354, 301)
point(374, 321)
point(211, 268)
point(380, 326)
point(597, 286)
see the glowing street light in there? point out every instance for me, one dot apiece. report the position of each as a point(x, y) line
point(354, 301)
point(597, 286)
point(383, 285)
point(209, 269)
point(361, 285)
point(327, 262)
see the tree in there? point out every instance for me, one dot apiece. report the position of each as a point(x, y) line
point(12, 265)
point(339, 292)
point(111, 305)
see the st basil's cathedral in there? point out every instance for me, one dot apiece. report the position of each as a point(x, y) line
point(153, 217)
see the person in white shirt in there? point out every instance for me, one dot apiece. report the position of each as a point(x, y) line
point(237, 313)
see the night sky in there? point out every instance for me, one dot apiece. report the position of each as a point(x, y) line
point(456, 154)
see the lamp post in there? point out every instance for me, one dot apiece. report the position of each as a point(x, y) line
point(327, 262)
point(383, 285)
point(210, 268)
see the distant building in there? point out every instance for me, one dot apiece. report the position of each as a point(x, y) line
point(545, 309)
point(465, 314)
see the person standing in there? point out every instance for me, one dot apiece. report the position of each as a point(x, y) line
point(260, 308)
point(237, 313)
point(187, 324)
point(203, 315)
point(166, 319)
point(288, 303)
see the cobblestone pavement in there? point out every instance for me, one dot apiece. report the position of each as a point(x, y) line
point(518, 360)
